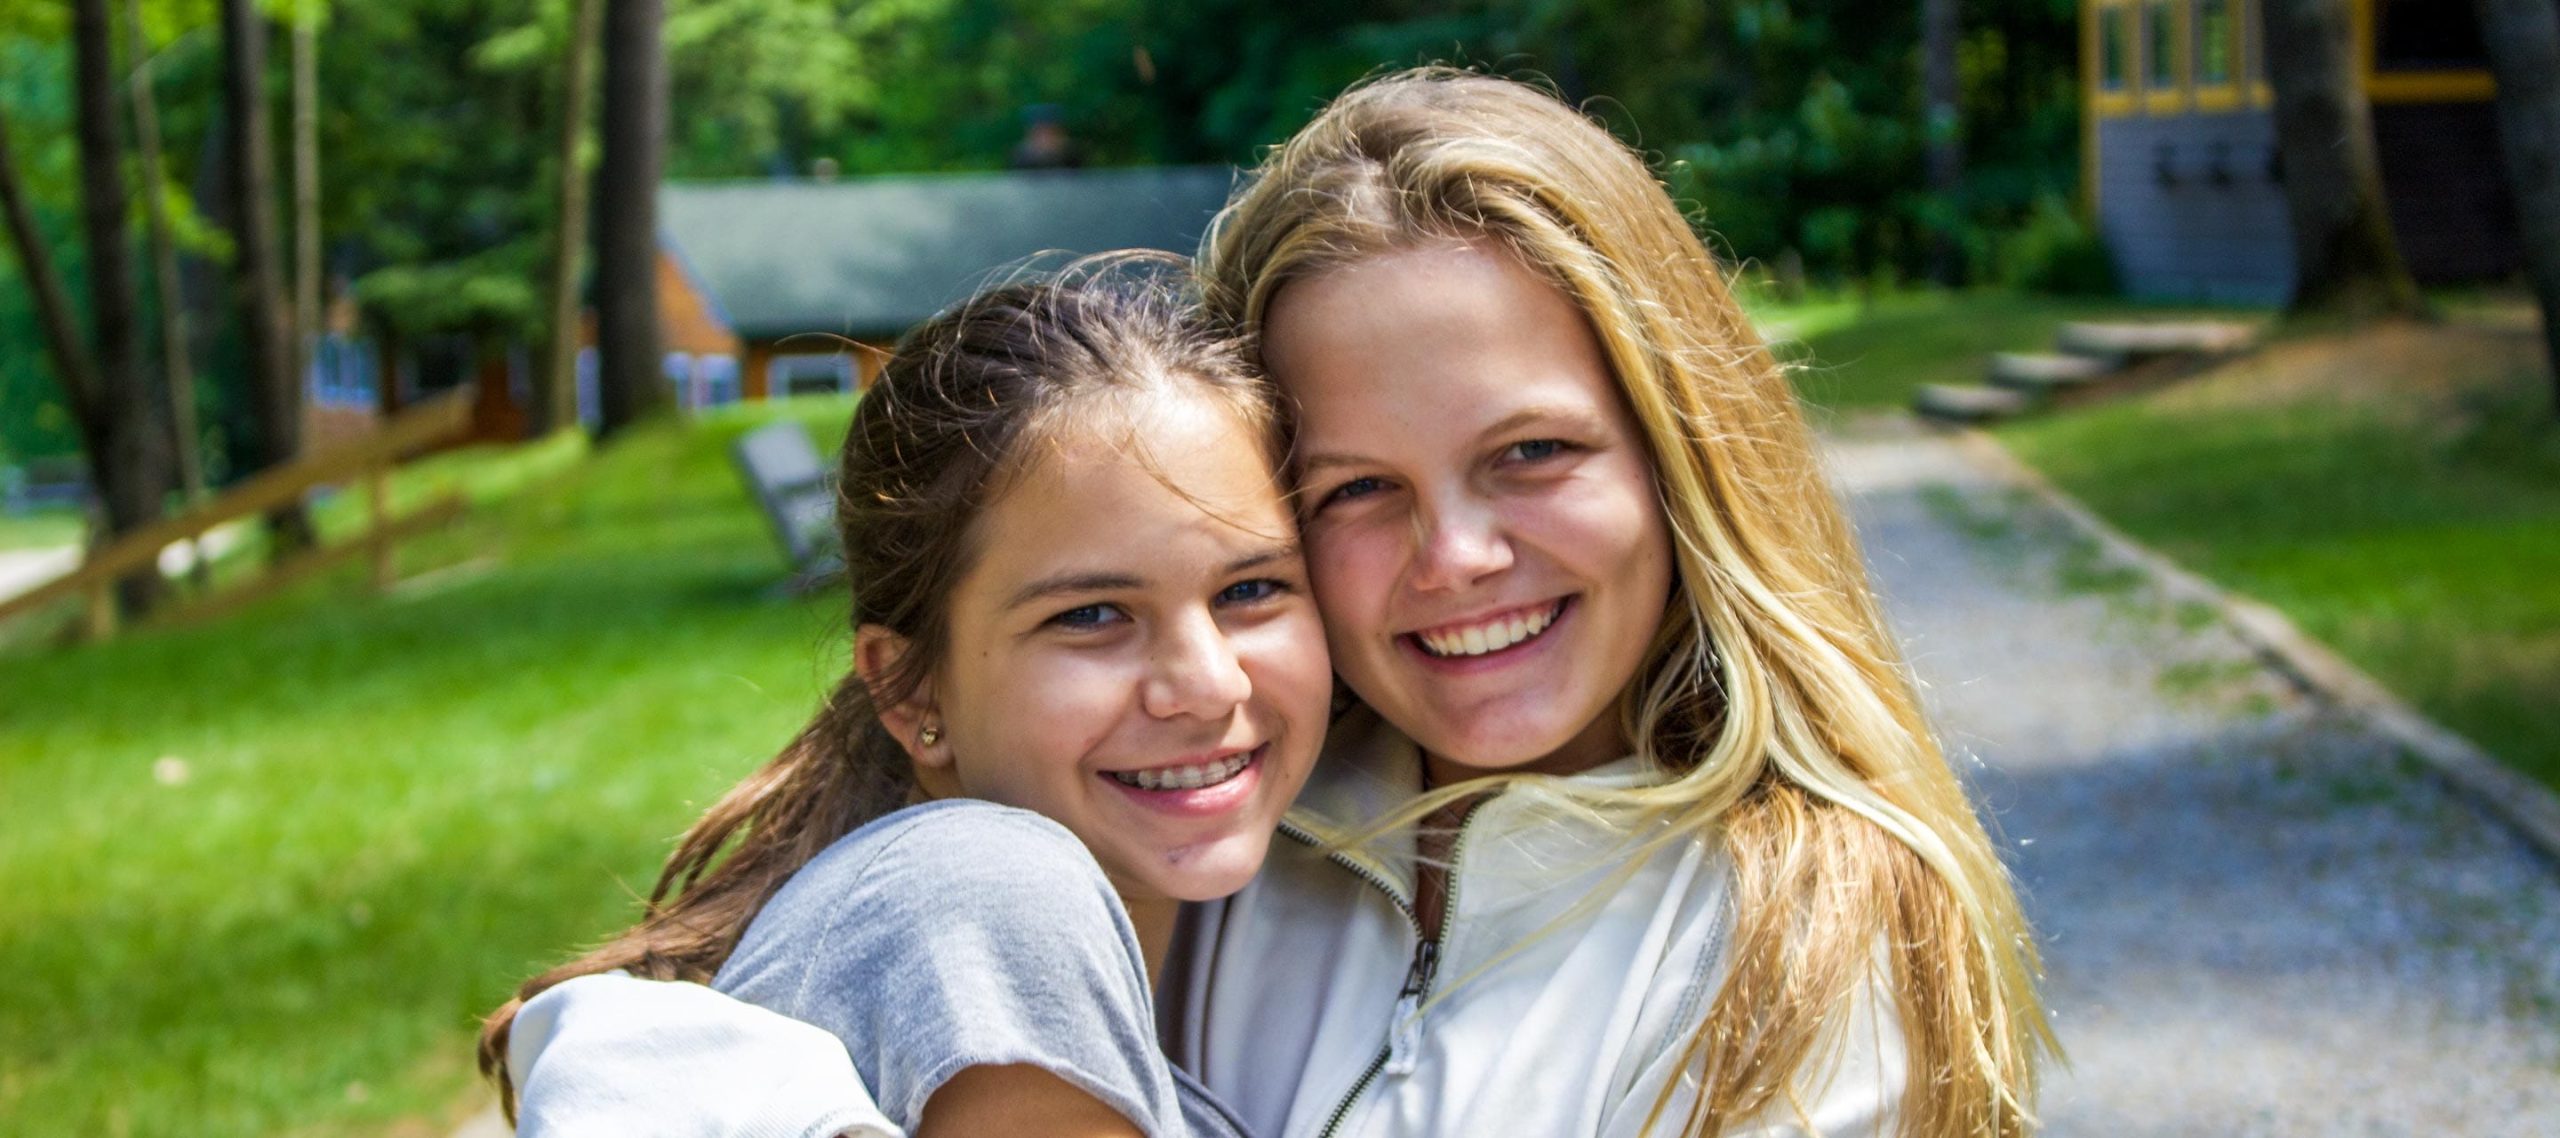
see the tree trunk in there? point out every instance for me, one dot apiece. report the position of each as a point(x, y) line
point(2524, 50)
point(276, 394)
point(306, 189)
point(129, 451)
point(2346, 260)
point(73, 369)
point(556, 405)
point(1942, 108)
point(176, 360)
point(635, 129)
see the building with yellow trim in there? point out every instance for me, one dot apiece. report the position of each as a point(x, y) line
point(2179, 159)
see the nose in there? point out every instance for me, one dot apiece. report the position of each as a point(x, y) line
point(1195, 672)
point(1457, 544)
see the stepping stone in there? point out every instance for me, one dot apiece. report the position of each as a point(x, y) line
point(2036, 373)
point(2141, 341)
point(1967, 403)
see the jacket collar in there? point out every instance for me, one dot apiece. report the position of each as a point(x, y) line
point(1369, 769)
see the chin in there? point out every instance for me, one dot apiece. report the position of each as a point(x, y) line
point(1210, 870)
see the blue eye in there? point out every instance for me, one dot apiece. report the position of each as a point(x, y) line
point(1357, 487)
point(1086, 616)
point(1535, 450)
point(1247, 592)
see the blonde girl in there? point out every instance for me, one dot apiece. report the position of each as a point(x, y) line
point(1577, 558)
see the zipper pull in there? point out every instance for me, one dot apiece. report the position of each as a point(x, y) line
point(1404, 1036)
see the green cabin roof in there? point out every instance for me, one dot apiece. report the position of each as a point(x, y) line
point(872, 257)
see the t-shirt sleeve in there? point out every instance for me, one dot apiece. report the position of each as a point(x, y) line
point(961, 934)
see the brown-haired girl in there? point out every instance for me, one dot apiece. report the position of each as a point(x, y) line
point(1076, 593)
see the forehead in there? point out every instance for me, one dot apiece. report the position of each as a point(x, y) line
point(1415, 343)
point(1149, 477)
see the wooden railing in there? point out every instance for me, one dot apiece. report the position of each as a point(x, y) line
point(369, 460)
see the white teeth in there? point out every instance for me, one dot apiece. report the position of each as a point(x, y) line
point(1186, 778)
point(1490, 636)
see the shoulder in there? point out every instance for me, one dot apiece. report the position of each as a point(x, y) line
point(943, 859)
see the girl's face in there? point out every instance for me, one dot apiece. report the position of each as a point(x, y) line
point(1480, 516)
point(1135, 653)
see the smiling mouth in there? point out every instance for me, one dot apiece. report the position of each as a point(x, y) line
point(1190, 777)
point(1486, 637)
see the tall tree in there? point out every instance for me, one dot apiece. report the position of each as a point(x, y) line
point(306, 186)
point(127, 444)
point(276, 393)
point(177, 363)
point(2347, 261)
point(1942, 103)
point(558, 402)
point(635, 139)
point(2524, 51)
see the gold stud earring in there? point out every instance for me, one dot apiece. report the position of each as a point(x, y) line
point(929, 736)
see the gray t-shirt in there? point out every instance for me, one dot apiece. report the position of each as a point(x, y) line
point(962, 933)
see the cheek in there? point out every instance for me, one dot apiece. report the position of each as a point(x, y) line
point(1040, 716)
point(1611, 525)
point(1353, 569)
point(1291, 672)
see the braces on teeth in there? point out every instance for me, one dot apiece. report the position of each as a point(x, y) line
point(1186, 778)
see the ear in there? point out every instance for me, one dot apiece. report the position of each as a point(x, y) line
point(876, 652)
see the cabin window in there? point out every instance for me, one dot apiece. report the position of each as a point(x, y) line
point(2159, 45)
point(2213, 42)
point(679, 370)
point(2427, 35)
point(719, 380)
point(2113, 45)
point(812, 374)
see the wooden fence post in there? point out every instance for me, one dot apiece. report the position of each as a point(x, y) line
point(377, 490)
point(101, 622)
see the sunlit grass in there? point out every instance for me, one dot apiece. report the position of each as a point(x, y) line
point(2397, 494)
point(42, 528)
point(264, 874)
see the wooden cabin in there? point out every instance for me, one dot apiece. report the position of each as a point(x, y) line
point(784, 287)
point(2180, 160)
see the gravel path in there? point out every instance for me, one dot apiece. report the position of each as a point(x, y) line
point(2257, 918)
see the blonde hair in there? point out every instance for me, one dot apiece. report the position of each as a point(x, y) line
point(1772, 694)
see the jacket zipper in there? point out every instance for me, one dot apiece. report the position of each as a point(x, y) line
point(1396, 1056)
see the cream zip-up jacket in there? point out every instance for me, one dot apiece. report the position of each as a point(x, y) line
point(1557, 1000)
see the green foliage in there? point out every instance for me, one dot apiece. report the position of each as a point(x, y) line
point(2052, 251)
point(1792, 126)
point(491, 294)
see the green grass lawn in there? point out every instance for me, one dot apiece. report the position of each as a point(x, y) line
point(2395, 492)
point(42, 529)
point(1853, 355)
point(263, 875)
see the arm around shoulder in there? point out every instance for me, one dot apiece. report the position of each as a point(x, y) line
point(613, 1055)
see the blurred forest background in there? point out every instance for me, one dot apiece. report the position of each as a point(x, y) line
point(1802, 124)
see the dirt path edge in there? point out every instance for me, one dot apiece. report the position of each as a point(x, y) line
point(2531, 809)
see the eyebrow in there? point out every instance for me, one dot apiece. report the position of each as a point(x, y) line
point(1074, 584)
point(1575, 417)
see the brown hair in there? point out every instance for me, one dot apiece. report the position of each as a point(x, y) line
point(1772, 694)
point(935, 441)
